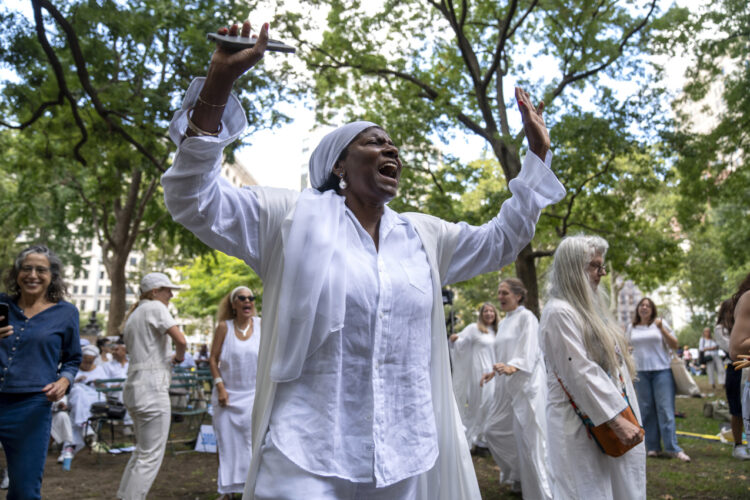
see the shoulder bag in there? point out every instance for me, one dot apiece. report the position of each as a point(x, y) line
point(604, 437)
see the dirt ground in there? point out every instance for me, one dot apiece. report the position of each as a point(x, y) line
point(712, 474)
point(183, 475)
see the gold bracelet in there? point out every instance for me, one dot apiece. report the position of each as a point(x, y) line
point(202, 101)
point(199, 131)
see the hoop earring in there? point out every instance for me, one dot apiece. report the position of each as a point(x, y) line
point(342, 183)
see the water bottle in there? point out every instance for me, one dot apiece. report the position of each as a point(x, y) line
point(67, 458)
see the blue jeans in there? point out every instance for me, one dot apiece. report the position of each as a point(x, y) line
point(655, 391)
point(25, 421)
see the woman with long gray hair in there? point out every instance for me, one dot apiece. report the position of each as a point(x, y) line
point(586, 352)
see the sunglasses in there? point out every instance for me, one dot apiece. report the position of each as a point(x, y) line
point(243, 298)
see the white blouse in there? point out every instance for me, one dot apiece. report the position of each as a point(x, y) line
point(649, 350)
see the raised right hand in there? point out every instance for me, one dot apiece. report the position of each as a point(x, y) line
point(231, 65)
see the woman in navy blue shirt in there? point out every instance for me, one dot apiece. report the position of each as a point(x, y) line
point(39, 356)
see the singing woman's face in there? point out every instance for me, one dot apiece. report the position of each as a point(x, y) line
point(371, 168)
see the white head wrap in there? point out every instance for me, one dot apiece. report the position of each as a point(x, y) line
point(324, 157)
point(90, 350)
point(313, 290)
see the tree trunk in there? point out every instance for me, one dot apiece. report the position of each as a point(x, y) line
point(526, 272)
point(117, 305)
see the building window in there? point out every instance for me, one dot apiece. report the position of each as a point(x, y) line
point(82, 305)
point(98, 305)
point(109, 289)
point(84, 289)
point(133, 261)
point(106, 306)
point(101, 275)
point(75, 288)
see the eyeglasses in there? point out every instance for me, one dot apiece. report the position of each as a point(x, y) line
point(243, 298)
point(599, 268)
point(40, 270)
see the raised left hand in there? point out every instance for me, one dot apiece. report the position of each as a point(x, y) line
point(56, 390)
point(533, 124)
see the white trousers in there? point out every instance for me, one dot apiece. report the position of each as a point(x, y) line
point(62, 430)
point(715, 369)
point(281, 479)
point(148, 405)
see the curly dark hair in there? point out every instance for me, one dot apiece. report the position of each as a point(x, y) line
point(57, 289)
point(637, 317)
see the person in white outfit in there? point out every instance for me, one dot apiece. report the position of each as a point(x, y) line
point(709, 350)
point(234, 364)
point(585, 348)
point(475, 346)
point(353, 396)
point(148, 328)
point(83, 394)
point(516, 430)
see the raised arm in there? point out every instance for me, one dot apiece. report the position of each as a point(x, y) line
point(489, 247)
point(224, 70)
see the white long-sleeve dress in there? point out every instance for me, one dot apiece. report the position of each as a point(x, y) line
point(478, 350)
point(254, 224)
point(238, 363)
point(578, 468)
point(516, 430)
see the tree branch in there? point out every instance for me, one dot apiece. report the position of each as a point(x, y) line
point(84, 79)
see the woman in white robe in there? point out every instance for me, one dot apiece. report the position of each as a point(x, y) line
point(234, 364)
point(354, 396)
point(585, 348)
point(475, 346)
point(83, 394)
point(516, 430)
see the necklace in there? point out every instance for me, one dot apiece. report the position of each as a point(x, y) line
point(244, 331)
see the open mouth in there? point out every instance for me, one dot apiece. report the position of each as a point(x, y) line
point(389, 170)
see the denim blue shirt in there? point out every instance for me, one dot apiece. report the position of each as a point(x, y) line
point(41, 349)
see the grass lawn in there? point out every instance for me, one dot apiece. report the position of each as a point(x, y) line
point(712, 474)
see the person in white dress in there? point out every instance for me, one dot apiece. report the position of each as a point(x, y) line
point(83, 394)
point(475, 345)
point(353, 396)
point(234, 364)
point(148, 328)
point(584, 346)
point(516, 430)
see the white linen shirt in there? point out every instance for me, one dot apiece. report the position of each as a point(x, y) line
point(373, 375)
point(248, 223)
point(649, 350)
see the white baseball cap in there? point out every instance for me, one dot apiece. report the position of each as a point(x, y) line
point(153, 281)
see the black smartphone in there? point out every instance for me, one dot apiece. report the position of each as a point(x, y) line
point(236, 43)
point(5, 313)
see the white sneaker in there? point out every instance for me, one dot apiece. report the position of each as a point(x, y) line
point(740, 452)
point(5, 482)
